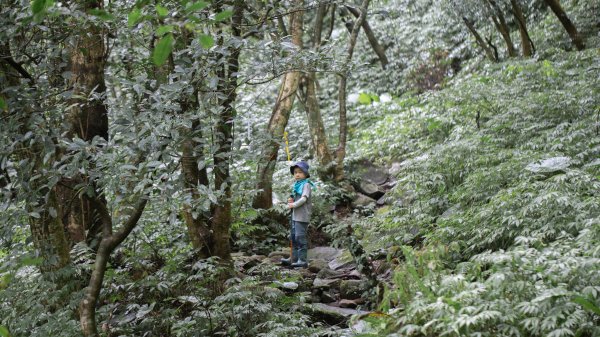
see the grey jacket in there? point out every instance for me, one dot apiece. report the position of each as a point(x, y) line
point(302, 205)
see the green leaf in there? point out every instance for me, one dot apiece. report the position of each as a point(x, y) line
point(586, 304)
point(37, 6)
point(224, 15)
point(102, 14)
point(162, 30)
point(196, 6)
point(3, 105)
point(161, 11)
point(31, 261)
point(364, 98)
point(162, 50)
point(133, 17)
point(206, 41)
point(4, 331)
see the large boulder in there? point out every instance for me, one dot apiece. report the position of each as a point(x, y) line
point(370, 189)
point(317, 264)
point(323, 253)
point(343, 261)
point(351, 303)
point(362, 200)
point(325, 283)
point(351, 289)
point(333, 315)
point(370, 172)
point(330, 273)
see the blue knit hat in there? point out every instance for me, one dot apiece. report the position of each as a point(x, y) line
point(301, 165)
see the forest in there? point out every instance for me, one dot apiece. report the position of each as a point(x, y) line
point(300, 168)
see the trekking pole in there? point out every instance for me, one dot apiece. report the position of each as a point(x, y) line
point(289, 158)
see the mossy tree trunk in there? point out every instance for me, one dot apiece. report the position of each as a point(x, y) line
point(340, 153)
point(86, 119)
point(42, 205)
point(278, 121)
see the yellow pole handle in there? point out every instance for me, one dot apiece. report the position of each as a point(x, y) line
point(287, 146)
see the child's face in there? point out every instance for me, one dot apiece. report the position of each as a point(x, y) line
point(299, 174)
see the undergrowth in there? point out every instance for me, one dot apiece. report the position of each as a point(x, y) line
point(497, 202)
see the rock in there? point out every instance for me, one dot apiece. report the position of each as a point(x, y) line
point(287, 286)
point(325, 283)
point(362, 200)
point(278, 253)
point(290, 285)
point(395, 169)
point(324, 253)
point(449, 212)
point(334, 315)
point(247, 262)
point(405, 198)
point(370, 189)
point(382, 201)
point(253, 261)
point(327, 296)
point(375, 174)
point(329, 274)
point(343, 261)
point(351, 303)
point(317, 264)
point(549, 165)
point(351, 289)
point(355, 274)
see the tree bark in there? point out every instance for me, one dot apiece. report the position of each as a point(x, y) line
point(45, 224)
point(377, 48)
point(221, 215)
point(566, 22)
point(526, 43)
point(107, 245)
point(48, 234)
point(488, 51)
point(317, 129)
point(501, 25)
point(278, 122)
point(340, 153)
point(87, 118)
point(196, 221)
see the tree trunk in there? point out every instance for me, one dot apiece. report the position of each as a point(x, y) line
point(317, 129)
point(45, 223)
point(308, 89)
point(87, 118)
point(107, 245)
point(48, 234)
point(196, 221)
point(278, 122)
point(488, 51)
point(526, 43)
point(340, 153)
point(502, 27)
point(377, 48)
point(221, 216)
point(566, 22)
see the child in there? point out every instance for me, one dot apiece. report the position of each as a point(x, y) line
point(301, 206)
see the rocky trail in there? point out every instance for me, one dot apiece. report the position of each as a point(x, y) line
point(332, 288)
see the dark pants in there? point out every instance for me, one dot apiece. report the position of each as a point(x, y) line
point(299, 241)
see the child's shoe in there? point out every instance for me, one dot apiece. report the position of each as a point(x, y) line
point(300, 264)
point(286, 262)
